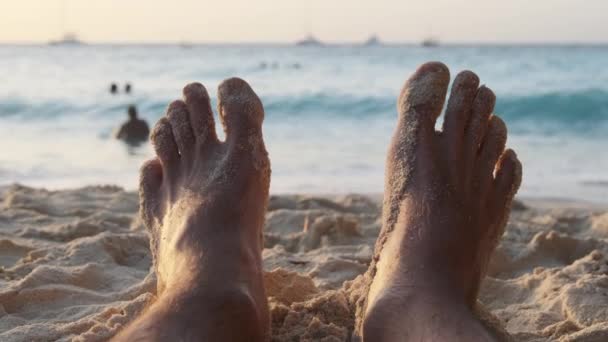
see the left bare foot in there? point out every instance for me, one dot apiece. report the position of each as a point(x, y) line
point(203, 202)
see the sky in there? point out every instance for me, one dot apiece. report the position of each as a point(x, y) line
point(458, 21)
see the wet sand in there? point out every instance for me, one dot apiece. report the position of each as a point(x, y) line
point(75, 265)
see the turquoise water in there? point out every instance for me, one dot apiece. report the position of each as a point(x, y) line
point(329, 111)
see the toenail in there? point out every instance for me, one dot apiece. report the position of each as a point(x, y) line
point(177, 106)
point(195, 89)
point(469, 78)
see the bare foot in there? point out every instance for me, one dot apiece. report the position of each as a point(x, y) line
point(447, 199)
point(204, 203)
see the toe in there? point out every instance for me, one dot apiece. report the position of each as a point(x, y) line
point(483, 105)
point(491, 149)
point(164, 143)
point(242, 113)
point(201, 115)
point(240, 109)
point(459, 108)
point(150, 180)
point(179, 117)
point(423, 95)
point(508, 179)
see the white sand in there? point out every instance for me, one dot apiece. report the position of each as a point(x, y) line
point(75, 266)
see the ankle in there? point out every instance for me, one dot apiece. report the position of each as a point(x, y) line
point(209, 270)
point(212, 310)
point(421, 314)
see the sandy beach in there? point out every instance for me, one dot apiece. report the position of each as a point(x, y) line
point(75, 265)
point(309, 171)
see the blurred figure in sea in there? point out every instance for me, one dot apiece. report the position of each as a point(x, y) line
point(128, 88)
point(113, 89)
point(135, 130)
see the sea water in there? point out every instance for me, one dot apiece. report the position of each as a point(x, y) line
point(330, 111)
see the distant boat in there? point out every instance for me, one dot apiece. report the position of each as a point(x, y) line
point(430, 42)
point(69, 39)
point(373, 41)
point(310, 40)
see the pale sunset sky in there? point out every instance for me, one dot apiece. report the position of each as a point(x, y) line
point(489, 21)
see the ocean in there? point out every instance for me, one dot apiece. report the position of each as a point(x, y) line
point(330, 111)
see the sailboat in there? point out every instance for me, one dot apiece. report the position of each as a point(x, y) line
point(373, 40)
point(430, 42)
point(310, 40)
point(69, 39)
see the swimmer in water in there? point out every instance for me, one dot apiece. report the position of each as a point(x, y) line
point(135, 130)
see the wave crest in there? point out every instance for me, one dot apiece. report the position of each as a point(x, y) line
point(585, 109)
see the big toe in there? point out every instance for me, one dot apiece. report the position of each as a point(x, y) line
point(240, 109)
point(242, 113)
point(422, 97)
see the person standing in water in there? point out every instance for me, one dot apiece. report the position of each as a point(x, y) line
point(113, 89)
point(135, 130)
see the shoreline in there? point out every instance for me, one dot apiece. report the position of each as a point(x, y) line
point(544, 202)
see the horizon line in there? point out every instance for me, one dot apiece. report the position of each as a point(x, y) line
point(322, 43)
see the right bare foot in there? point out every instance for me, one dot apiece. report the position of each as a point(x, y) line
point(204, 203)
point(447, 200)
